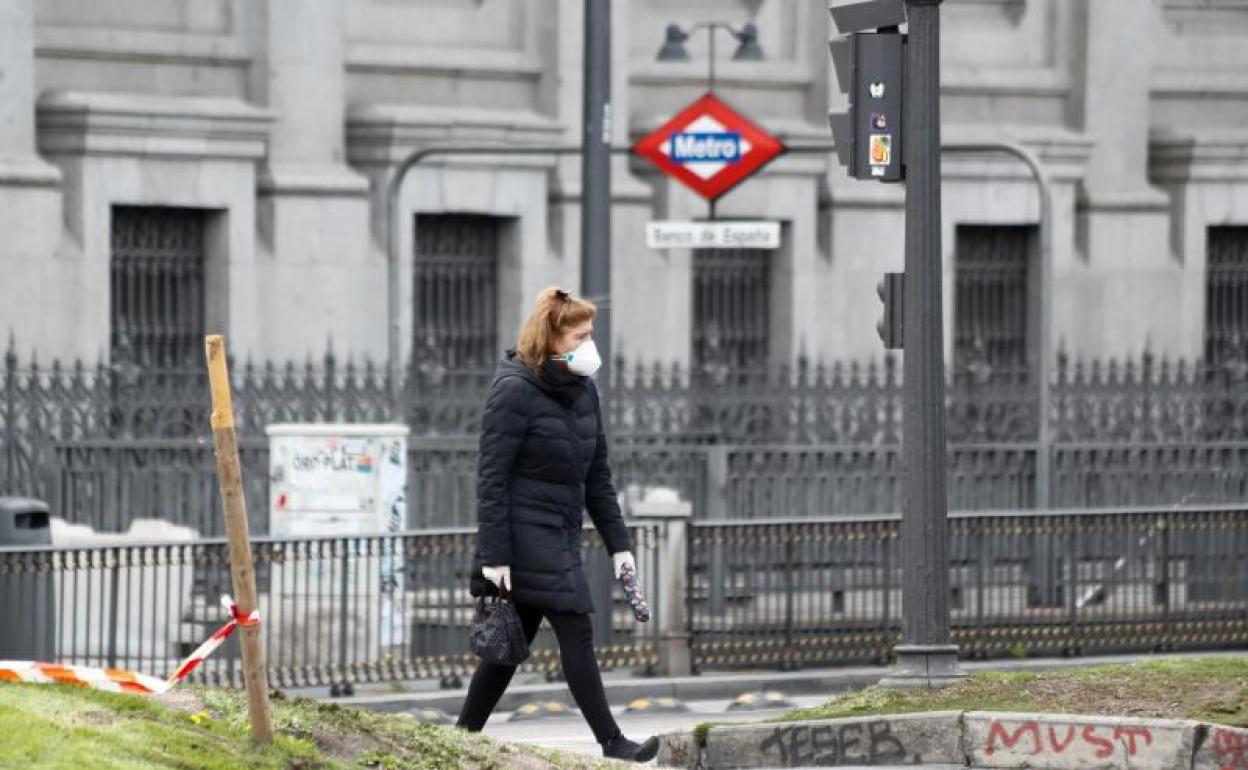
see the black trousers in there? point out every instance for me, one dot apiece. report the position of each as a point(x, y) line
point(576, 651)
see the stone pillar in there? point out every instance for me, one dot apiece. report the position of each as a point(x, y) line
point(17, 87)
point(1114, 92)
point(299, 74)
point(673, 516)
point(1122, 234)
point(30, 201)
point(313, 210)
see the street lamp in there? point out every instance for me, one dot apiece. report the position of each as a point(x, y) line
point(673, 48)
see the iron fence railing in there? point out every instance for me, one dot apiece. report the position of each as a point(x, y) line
point(784, 593)
point(1142, 399)
point(335, 611)
point(109, 443)
point(107, 484)
point(796, 593)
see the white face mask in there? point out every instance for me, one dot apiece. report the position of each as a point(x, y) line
point(584, 360)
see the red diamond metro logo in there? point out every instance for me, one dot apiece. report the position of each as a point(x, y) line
point(710, 147)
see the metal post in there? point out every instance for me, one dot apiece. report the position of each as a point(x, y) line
point(710, 89)
point(114, 579)
point(596, 180)
point(8, 482)
point(344, 612)
point(710, 72)
point(925, 656)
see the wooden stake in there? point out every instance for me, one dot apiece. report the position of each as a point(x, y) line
point(230, 476)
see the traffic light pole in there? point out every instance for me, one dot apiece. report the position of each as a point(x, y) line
point(925, 656)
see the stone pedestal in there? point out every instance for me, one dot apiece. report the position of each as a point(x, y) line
point(672, 515)
point(924, 665)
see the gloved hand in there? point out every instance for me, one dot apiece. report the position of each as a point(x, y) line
point(499, 576)
point(622, 559)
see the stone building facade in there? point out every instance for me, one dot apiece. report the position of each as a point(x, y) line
point(169, 167)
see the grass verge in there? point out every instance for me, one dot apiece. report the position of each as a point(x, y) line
point(1212, 689)
point(55, 727)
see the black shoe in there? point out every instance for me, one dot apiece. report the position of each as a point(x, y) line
point(620, 747)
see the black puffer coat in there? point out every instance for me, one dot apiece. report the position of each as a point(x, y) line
point(543, 462)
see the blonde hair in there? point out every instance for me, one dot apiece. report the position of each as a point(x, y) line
point(555, 312)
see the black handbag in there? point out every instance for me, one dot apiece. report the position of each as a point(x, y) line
point(497, 634)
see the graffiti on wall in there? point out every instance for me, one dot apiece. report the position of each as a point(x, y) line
point(854, 743)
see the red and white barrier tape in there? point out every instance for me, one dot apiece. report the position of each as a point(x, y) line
point(117, 680)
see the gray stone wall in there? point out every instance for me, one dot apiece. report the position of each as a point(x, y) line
point(287, 118)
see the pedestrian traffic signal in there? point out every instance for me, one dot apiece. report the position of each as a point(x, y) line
point(892, 291)
point(868, 138)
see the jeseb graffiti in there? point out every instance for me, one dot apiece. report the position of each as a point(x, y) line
point(858, 743)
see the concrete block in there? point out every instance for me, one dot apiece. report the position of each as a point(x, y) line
point(1223, 748)
point(678, 750)
point(1058, 742)
point(899, 739)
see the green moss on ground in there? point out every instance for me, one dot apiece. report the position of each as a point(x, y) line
point(55, 727)
point(1211, 689)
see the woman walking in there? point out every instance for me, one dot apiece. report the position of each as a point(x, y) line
point(543, 461)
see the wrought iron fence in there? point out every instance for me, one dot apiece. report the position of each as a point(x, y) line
point(800, 593)
point(111, 442)
point(106, 484)
point(1137, 400)
point(760, 593)
point(335, 610)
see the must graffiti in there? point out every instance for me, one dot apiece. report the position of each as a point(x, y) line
point(1102, 740)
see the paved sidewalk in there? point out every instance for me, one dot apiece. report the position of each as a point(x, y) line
point(573, 735)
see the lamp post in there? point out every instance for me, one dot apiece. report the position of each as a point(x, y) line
point(673, 50)
point(596, 181)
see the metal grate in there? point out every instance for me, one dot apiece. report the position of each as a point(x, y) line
point(992, 295)
point(456, 304)
point(731, 307)
point(156, 288)
point(1226, 295)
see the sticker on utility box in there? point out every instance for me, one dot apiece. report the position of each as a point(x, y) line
point(881, 149)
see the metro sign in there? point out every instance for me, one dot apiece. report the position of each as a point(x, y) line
point(710, 147)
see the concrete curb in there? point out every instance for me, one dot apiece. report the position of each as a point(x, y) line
point(1224, 748)
point(979, 739)
point(909, 739)
point(1060, 742)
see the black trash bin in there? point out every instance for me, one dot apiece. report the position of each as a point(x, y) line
point(28, 631)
